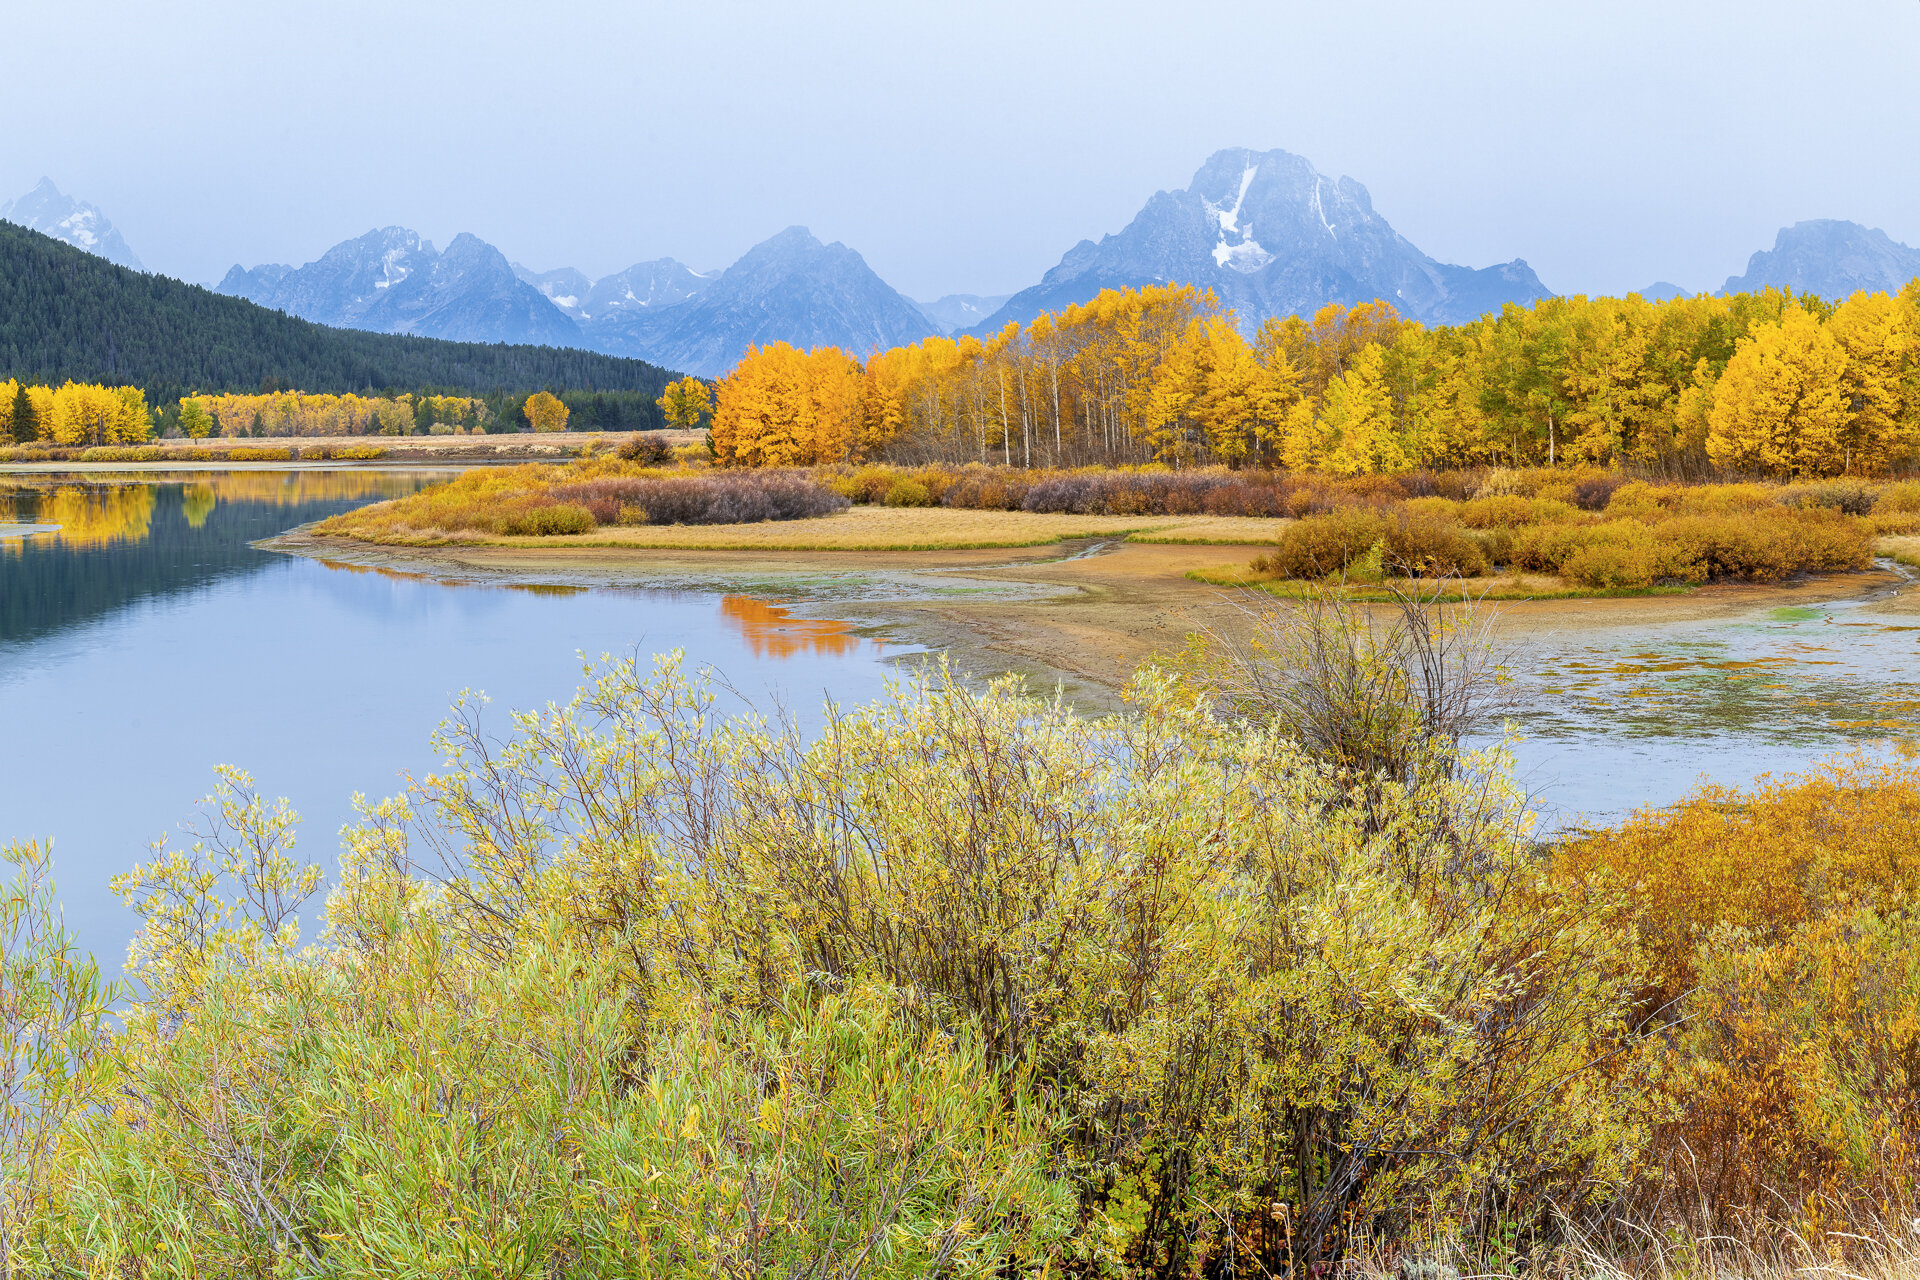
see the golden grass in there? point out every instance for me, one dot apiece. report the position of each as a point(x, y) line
point(1905, 548)
point(1215, 531)
point(877, 529)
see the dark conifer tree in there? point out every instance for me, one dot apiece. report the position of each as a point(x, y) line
point(26, 423)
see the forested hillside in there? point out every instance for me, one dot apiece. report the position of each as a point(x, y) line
point(67, 315)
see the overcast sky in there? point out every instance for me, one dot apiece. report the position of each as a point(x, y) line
point(961, 147)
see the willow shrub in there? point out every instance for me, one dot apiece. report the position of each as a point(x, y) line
point(962, 984)
point(1414, 540)
point(1783, 924)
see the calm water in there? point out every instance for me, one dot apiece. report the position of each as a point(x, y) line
point(147, 642)
point(1620, 717)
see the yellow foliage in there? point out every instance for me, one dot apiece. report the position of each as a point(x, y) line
point(1781, 407)
point(546, 411)
point(784, 407)
point(88, 414)
point(687, 403)
point(1783, 923)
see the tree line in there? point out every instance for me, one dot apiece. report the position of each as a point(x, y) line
point(1763, 383)
point(83, 414)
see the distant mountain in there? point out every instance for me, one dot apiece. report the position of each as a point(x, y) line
point(1661, 291)
point(959, 311)
point(75, 222)
point(660, 283)
point(1829, 258)
point(1271, 236)
point(790, 288)
point(392, 281)
point(67, 314)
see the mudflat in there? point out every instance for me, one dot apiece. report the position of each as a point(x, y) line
point(1085, 610)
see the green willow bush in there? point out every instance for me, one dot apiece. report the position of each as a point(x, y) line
point(963, 984)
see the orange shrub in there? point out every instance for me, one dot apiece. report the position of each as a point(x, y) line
point(1782, 922)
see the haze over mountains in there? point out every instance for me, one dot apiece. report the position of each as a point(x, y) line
point(1265, 230)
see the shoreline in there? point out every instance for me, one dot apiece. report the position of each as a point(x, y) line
point(1082, 612)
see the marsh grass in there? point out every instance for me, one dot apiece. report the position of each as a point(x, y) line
point(863, 528)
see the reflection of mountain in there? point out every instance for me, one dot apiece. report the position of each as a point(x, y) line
point(773, 632)
point(123, 543)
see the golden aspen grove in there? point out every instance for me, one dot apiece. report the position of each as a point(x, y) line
point(1762, 384)
point(76, 413)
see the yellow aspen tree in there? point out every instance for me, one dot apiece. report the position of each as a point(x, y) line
point(195, 422)
point(760, 409)
point(1174, 396)
point(1877, 335)
point(134, 422)
point(1304, 441)
point(1358, 418)
point(1693, 409)
point(686, 403)
point(832, 415)
point(883, 398)
point(1781, 406)
point(85, 414)
point(546, 411)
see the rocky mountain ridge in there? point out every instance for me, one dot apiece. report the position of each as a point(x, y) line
point(49, 211)
point(1272, 236)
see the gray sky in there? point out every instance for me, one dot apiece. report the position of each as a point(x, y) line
point(961, 147)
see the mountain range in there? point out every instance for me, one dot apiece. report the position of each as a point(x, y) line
point(1265, 230)
point(46, 210)
point(392, 281)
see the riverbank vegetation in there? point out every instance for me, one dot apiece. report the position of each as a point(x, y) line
point(1264, 977)
point(1547, 531)
point(1764, 384)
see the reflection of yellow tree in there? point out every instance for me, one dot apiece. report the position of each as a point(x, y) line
point(91, 515)
point(98, 515)
point(773, 632)
point(291, 488)
point(197, 504)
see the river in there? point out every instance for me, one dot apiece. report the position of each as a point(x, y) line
point(146, 639)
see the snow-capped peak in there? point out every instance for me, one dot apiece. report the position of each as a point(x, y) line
point(1246, 255)
point(48, 210)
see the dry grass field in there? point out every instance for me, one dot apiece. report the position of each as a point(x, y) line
point(874, 528)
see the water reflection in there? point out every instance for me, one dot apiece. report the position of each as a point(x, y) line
point(119, 540)
point(771, 630)
point(101, 510)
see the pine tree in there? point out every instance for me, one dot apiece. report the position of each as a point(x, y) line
point(26, 423)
